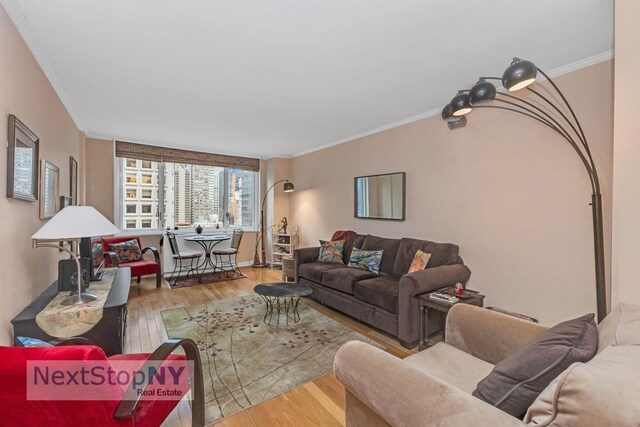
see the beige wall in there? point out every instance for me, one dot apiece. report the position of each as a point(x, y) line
point(510, 192)
point(626, 157)
point(26, 92)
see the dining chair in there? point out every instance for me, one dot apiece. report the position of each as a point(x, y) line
point(230, 261)
point(180, 259)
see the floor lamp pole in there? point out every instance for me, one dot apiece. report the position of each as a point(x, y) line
point(261, 262)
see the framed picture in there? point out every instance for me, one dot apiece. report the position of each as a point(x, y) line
point(64, 202)
point(73, 181)
point(22, 161)
point(49, 189)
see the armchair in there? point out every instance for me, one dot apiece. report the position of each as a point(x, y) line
point(433, 387)
point(139, 268)
point(132, 409)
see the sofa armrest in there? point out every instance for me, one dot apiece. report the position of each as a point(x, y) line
point(404, 396)
point(111, 259)
point(156, 254)
point(413, 284)
point(434, 278)
point(303, 256)
point(487, 334)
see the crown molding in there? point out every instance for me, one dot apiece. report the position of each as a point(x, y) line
point(21, 23)
point(574, 66)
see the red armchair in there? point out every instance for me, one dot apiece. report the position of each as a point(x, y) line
point(129, 411)
point(138, 268)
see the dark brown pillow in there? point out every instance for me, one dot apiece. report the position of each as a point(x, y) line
point(515, 382)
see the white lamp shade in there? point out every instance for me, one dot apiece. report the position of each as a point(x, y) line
point(76, 222)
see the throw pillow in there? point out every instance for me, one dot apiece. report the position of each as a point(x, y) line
point(331, 251)
point(128, 251)
point(32, 342)
point(515, 382)
point(419, 262)
point(366, 260)
point(97, 254)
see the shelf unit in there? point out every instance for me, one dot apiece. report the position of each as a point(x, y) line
point(282, 245)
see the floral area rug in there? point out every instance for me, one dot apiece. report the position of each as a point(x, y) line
point(218, 276)
point(245, 361)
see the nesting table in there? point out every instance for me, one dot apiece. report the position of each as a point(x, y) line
point(282, 299)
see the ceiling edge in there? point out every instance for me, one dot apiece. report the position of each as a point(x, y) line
point(574, 66)
point(20, 21)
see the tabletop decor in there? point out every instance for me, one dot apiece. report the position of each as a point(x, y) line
point(557, 116)
point(70, 225)
point(246, 362)
point(22, 161)
point(64, 321)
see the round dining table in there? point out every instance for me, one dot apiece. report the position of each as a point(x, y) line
point(208, 242)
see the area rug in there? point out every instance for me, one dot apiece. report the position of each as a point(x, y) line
point(245, 361)
point(218, 276)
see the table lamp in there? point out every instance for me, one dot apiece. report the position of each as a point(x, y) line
point(72, 224)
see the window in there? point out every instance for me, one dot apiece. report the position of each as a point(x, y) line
point(131, 223)
point(131, 163)
point(146, 164)
point(131, 209)
point(183, 195)
point(132, 178)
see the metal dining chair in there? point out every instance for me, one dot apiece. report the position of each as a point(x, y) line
point(180, 258)
point(230, 261)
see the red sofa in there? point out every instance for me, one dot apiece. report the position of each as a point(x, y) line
point(138, 268)
point(16, 409)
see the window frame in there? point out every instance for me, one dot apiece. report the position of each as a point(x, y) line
point(120, 186)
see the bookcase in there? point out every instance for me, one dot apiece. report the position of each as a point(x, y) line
point(282, 245)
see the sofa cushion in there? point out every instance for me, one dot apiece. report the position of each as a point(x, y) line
point(313, 270)
point(517, 380)
point(342, 279)
point(602, 392)
point(390, 248)
point(441, 254)
point(379, 291)
point(620, 327)
point(450, 365)
point(142, 268)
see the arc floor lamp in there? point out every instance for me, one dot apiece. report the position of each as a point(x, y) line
point(558, 116)
point(287, 188)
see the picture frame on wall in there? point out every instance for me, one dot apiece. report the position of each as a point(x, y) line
point(73, 181)
point(22, 161)
point(65, 201)
point(49, 189)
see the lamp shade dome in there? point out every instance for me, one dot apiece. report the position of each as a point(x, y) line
point(447, 113)
point(483, 91)
point(288, 187)
point(519, 75)
point(76, 222)
point(460, 105)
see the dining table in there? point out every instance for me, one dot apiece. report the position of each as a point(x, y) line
point(208, 242)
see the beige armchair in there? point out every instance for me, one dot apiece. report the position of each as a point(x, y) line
point(433, 387)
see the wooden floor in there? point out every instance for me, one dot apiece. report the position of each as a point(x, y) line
point(318, 403)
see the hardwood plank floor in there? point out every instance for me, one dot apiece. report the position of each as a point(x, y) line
point(318, 403)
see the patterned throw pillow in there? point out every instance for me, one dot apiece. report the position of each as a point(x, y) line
point(128, 251)
point(366, 260)
point(419, 262)
point(331, 251)
point(96, 254)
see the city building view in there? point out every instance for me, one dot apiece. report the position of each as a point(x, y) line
point(191, 195)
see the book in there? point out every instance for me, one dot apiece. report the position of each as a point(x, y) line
point(442, 297)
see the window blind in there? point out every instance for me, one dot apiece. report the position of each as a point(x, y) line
point(153, 153)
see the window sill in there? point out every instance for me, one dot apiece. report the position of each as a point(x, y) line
point(180, 232)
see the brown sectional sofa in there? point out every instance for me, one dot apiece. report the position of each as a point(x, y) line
point(386, 300)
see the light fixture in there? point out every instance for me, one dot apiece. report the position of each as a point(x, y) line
point(460, 104)
point(559, 117)
point(519, 75)
point(483, 91)
point(70, 225)
point(257, 262)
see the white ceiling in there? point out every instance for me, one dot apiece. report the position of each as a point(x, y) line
point(282, 77)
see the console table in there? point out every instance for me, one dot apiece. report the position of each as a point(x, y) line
point(109, 332)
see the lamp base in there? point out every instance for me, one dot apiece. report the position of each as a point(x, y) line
point(73, 299)
point(260, 266)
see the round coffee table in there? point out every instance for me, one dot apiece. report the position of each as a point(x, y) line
point(282, 298)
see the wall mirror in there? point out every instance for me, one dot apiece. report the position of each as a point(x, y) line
point(380, 196)
point(22, 161)
point(49, 189)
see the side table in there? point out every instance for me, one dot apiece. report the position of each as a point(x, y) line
point(427, 304)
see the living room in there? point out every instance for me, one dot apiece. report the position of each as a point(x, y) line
point(233, 143)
